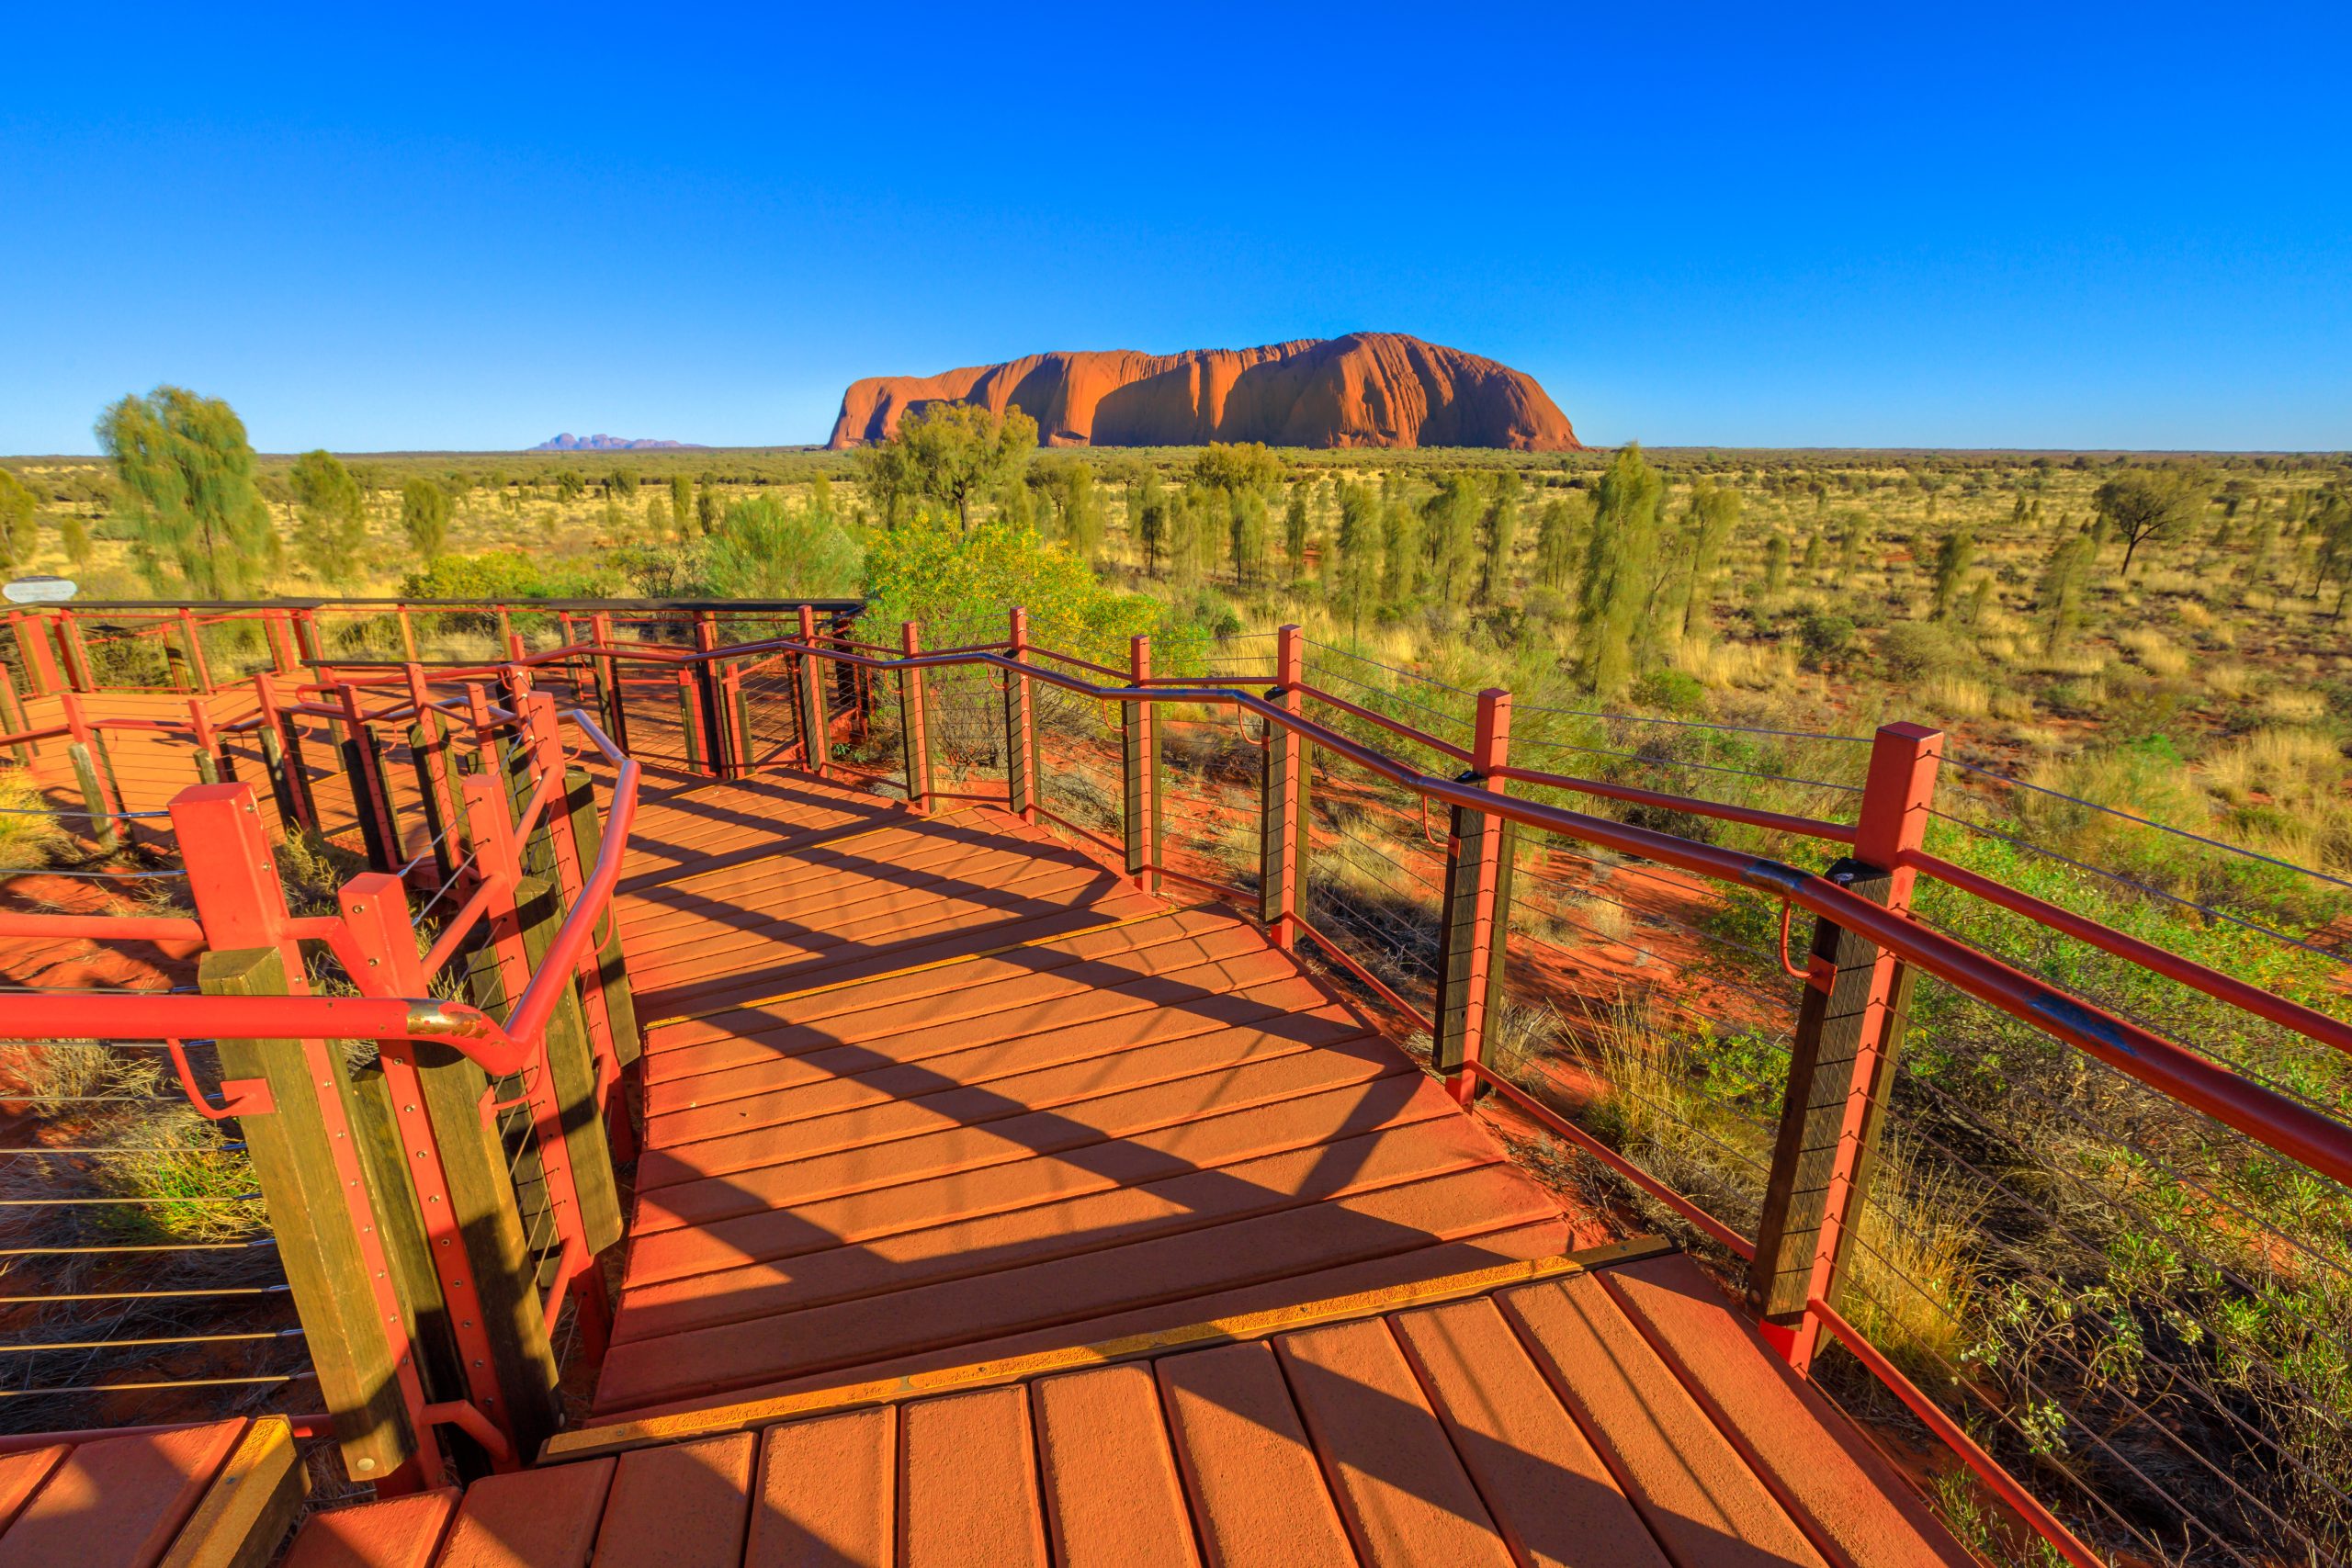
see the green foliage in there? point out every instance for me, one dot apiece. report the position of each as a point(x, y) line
point(1400, 548)
point(623, 483)
point(1247, 466)
point(74, 535)
point(1246, 525)
point(569, 485)
point(1707, 528)
point(959, 584)
point(1825, 638)
point(1953, 557)
point(1068, 484)
point(950, 453)
point(682, 504)
point(1296, 521)
point(2063, 591)
point(1450, 534)
point(330, 527)
point(765, 550)
point(196, 520)
point(493, 574)
point(1556, 542)
point(1150, 521)
point(19, 526)
point(424, 517)
point(1626, 509)
point(1355, 577)
point(2147, 505)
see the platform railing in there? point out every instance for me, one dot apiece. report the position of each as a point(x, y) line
point(819, 699)
point(440, 1204)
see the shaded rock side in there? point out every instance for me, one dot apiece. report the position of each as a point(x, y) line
point(1363, 390)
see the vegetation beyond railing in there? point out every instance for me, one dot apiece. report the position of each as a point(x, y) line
point(1870, 1191)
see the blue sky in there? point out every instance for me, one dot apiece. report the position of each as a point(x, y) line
point(1988, 225)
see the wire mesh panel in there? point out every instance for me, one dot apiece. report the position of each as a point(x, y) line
point(139, 1277)
point(1080, 778)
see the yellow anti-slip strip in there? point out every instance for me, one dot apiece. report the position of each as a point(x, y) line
point(664, 1022)
point(589, 1441)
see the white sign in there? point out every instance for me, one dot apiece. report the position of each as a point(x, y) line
point(40, 590)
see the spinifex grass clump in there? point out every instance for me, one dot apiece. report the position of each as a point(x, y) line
point(29, 837)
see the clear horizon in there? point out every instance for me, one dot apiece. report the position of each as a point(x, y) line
point(1993, 231)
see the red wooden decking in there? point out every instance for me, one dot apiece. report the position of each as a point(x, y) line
point(1616, 1416)
point(922, 1091)
point(212, 1496)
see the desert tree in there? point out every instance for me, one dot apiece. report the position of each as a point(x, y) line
point(2144, 506)
point(1618, 557)
point(1356, 579)
point(1296, 522)
point(74, 535)
point(2063, 595)
point(1555, 543)
point(330, 517)
point(424, 517)
point(1450, 535)
point(1776, 566)
point(950, 453)
point(1954, 555)
point(1400, 548)
point(1147, 515)
point(1713, 515)
point(681, 502)
point(1247, 526)
point(656, 517)
point(1240, 465)
point(623, 483)
point(184, 469)
point(19, 522)
point(1500, 538)
point(705, 506)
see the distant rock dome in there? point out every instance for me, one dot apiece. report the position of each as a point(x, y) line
point(1363, 390)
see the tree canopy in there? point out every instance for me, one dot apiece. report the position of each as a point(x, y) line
point(196, 519)
point(949, 453)
point(2146, 505)
point(332, 517)
point(19, 527)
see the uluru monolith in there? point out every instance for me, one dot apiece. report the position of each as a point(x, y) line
point(1363, 390)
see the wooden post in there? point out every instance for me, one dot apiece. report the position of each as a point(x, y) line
point(12, 716)
point(914, 728)
point(197, 663)
point(739, 722)
point(39, 660)
point(408, 636)
point(690, 728)
point(612, 967)
point(306, 637)
point(174, 657)
point(477, 1254)
point(1020, 727)
point(1842, 1061)
point(1471, 928)
point(815, 731)
point(708, 694)
point(1139, 773)
point(76, 649)
point(1282, 838)
point(609, 674)
point(277, 627)
point(305, 1157)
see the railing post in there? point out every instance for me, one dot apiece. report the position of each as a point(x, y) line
point(281, 749)
point(277, 628)
point(569, 1136)
point(1020, 727)
point(212, 763)
point(12, 714)
point(1471, 933)
point(307, 648)
point(408, 636)
point(1842, 1061)
point(741, 750)
point(690, 724)
point(76, 650)
point(815, 731)
point(611, 966)
point(305, 1156)
point(371, 793)
point(1282, 838)
point(33, 648)
point(914, 725)
point(472, 1231)
point(81, 749)
point(201, 666)
point(607, 672)
point(428, 744)
point(1139, 771)
point(708, 695)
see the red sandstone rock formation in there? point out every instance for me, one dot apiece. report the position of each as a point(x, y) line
point(1364, 390)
